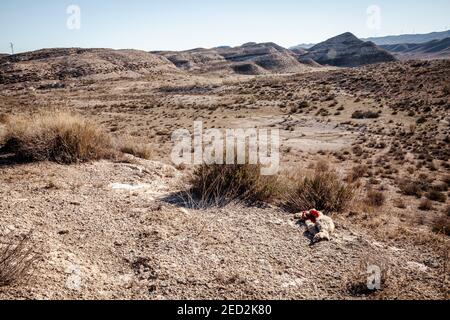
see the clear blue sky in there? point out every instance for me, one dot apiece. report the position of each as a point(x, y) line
point(185, 24)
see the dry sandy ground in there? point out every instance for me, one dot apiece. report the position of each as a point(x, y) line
point(108, 224)
point(108, 231)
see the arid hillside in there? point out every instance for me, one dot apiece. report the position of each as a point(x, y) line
point(249, 59)
point(346, 50)
point(92, 206)
point(61, 64)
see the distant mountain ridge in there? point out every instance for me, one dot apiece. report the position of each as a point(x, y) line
point(394, 39)
point(409, 38)
point(344, 50)
point(435, 49)
point(303, 46)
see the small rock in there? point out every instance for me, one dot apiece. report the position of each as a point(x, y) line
point(417, 266)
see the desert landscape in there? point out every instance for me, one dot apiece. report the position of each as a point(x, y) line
point(92, 207)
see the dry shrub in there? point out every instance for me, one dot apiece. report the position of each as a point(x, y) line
point(446, 179)
point(357, 173)
point(17, 260)
point(440, 186)
point(60, 137)
point(131, 146)
point(425, 205)
point(413, 187)
point(375, 198)
point(438, 196)
point(221, 184)
point(399, 203)
point(356, 281)
point(365, 115)
point(446, 89)
point(4, 118)
point(322, 166)
point(323, 190)
point(441, 225)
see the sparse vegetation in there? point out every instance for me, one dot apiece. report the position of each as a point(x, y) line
point(222, 184)
point(323, 190)
point(438, 196)
point(373, 158)
point(399, 203)
point(357, 173)
point(17, 259)
point(356, 282)
point(59, 137)
point(415, 188)
point(3, 118)
point(365, 115)
point(441, 225)
point(425, 205)
point(375, 198)
point(131, 146)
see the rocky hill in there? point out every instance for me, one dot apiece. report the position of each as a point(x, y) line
point(436, 49)
point(195, 59)
point(250, 58)
point(61, 64)
point(346, 50)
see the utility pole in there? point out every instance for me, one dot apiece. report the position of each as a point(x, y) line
point(12, 47)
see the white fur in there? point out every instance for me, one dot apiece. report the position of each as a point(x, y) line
point(322, 229)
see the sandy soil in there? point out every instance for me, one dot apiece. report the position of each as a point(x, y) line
point(109, 231)
point(111, 226)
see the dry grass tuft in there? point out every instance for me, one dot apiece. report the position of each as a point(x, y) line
point(323, 190)
point(218, 185)
point(437, 196)
point(413, 187)
point(60, 137)
point(131, 146)
point(365, 115)
point(375, 198)
point(3, 118)
point(441, 225)
point(357, 173)
point(399, 203)
point(17, 260)
point(426, 205)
